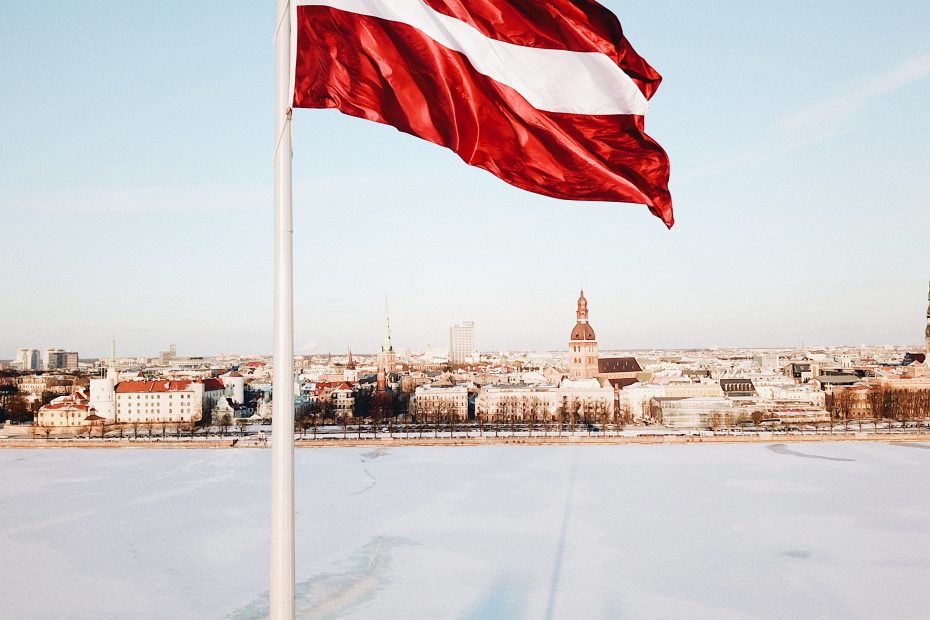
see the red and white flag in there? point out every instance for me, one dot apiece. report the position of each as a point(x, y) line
point(548, 95)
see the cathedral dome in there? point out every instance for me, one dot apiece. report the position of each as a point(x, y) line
point(583, 331)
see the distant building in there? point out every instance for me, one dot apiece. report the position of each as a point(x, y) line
point(436, 403)
point(579, 400)
point(226, 410)
point(387, 358)
point(582, 345)
point(350, 374)
point(165, 357)
point(737, 388)
point(382, 401)
point(71, 411)
point(766, 363)
point(462, 343)
point(340, 395)
point(802, 371)
point(103, 393)
point(618, 372)
point(59, 359)
point(695, 412)
point(33, 386)
point(27, 359)
point(166, 401)
point(636, 399)
point(234, 384)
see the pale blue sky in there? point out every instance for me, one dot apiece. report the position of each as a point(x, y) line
point(135, 192)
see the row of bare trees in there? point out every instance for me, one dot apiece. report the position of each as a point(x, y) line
point(224, 426)
point(877, 404)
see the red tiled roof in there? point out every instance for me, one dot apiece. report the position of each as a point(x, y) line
point(607, 365)
point(212, 385)
point(65, 405)
point(124, 387)
point(166, 385)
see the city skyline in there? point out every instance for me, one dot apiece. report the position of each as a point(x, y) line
point(142, 201)
point(386, 344)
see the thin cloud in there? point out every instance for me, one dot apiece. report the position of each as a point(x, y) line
point(835, 115)
point(823, 119)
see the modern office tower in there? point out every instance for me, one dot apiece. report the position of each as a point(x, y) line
point(462, 343)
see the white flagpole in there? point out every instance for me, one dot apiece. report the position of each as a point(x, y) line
point(281, 590)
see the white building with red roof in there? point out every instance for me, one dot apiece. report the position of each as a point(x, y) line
point(166, 400)
point(71, 410)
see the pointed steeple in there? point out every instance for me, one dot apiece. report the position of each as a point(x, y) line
point(927, 331)
point(386, 345)
point(350, 363)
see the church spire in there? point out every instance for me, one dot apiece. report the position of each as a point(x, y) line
point(927, 331)
point(386, 345)
point(350, 363)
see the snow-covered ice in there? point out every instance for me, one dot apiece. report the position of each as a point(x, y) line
point(825, 530)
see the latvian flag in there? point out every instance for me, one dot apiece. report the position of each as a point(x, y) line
point(546, 94)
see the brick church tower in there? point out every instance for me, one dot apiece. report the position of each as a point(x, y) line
point(582, 347)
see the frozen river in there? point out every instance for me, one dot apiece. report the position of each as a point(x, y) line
point(825, 530)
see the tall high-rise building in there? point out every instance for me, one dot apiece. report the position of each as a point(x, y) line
point(462, 343)
point(165, 357)
point(27, 359)
point(582, 346)
point(59, 359)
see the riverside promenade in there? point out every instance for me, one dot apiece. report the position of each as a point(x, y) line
point(330, 441)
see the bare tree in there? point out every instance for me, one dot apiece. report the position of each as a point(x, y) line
point(602, 415)
point(224, 422)
point(532, 406)
point(303, 415)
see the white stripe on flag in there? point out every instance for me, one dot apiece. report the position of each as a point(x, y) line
point(551, 80)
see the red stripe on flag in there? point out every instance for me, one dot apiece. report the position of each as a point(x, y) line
point(391, 73)
point(574, 25)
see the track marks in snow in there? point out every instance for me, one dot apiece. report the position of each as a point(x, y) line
point(371, 484)
point(335, 594)
point(780, 448)
point(374, 453)
point(906, 444)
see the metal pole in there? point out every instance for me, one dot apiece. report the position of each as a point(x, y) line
point(281, 590)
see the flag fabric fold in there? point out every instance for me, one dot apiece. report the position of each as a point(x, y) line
point(548, 95)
